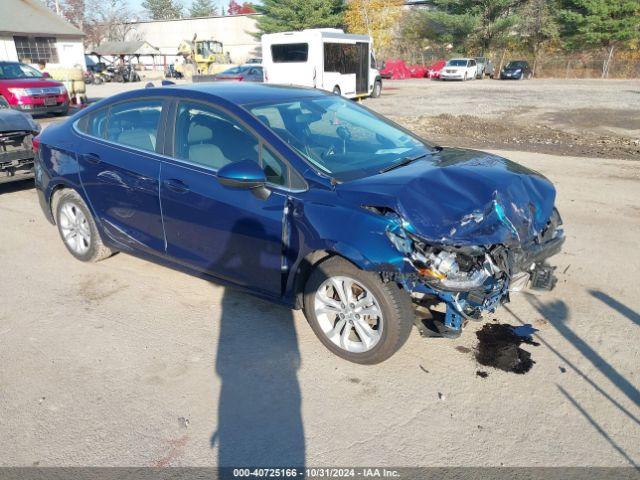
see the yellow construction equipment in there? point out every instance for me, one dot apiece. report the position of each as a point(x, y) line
point(204, 56)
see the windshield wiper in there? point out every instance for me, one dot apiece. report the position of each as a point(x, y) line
point(402, 163)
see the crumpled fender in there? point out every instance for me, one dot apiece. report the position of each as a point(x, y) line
point(358, 236)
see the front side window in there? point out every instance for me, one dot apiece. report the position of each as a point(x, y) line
point(208, 137)
point(135, 124)
point(290, 52)
point(340, 137)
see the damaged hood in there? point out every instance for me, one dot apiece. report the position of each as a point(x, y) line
point(13, 121)
point(461, 197)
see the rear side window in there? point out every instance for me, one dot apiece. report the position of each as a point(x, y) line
point(290, 52)
point(135, 124)
point(95, 124)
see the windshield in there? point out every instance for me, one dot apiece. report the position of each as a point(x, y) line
point(457, 63)
point(516, 65)
point(339, 137)
point(18, 70)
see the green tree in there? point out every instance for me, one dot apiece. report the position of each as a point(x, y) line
point(163, 9)
point(539, 26)
point(471, 24)
point(203, 8)
point(285, 15)
point(600, 23)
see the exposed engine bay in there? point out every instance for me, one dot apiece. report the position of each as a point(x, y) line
point(472, 279)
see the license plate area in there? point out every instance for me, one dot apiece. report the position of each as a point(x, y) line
point(49, 101)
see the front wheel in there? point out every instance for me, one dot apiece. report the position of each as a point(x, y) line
point(337, 91)
point(78, 229)
point(355, 314)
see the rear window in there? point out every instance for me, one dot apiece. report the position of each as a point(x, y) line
point(290, 52)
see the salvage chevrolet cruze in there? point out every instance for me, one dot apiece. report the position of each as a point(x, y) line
point(303, 198)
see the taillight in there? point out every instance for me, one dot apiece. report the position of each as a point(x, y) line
point(35, 141)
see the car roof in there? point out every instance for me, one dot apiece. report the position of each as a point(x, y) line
point(246, 93)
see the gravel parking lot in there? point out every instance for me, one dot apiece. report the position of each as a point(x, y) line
point(127, 363)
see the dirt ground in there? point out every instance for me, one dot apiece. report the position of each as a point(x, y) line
point(563, 117)
point(127, 363)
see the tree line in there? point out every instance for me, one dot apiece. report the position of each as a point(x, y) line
point(473, 27)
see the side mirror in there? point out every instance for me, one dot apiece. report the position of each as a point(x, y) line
point(245, 174)
point(46, 75)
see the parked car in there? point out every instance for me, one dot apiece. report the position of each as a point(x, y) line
point(301, 197)
point(254, 61)
point(243, 73)
point(28, 90)
point(433, 71)
point(459, 69)
point(485, 67)
point(516, 70)
point(17, 130)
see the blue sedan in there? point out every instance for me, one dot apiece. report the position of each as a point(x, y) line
point(303, 198)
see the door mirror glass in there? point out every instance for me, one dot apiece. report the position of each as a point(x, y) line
point(245, 174)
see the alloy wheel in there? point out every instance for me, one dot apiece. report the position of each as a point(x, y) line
point(348, 314)
point(75, 228)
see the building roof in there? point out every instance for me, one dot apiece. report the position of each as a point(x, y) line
point(31, 17)
point(126, 48)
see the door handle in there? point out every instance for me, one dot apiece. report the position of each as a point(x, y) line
point(92, 158)
point(177, 186)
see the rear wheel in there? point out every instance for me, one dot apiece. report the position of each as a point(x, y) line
point(337, 91)
point(78, 229)
point(355, 314)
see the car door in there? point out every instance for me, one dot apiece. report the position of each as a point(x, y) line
point(120, 171)
point(226, 232)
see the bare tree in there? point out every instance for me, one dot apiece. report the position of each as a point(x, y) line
point(108, 21)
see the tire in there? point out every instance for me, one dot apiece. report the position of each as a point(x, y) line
point(68, 204)
point(337, 91)
point(391, 328)
point(377, 89)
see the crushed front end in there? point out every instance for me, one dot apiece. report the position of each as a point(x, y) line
point(470, 279)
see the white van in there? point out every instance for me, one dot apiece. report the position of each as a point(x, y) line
point(324, 58)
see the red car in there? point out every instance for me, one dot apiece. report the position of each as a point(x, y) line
point(28, 90)
point(433, 71)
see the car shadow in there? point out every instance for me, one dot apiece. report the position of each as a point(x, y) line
point(259, 409)
point(16, 186)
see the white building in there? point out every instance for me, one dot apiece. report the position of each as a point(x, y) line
point(31, 33)
point(235, 32)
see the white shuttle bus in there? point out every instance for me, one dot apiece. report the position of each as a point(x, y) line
point(323, 58)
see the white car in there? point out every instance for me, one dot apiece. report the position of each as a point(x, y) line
point(460, 69)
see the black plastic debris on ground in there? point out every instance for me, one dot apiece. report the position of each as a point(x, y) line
point(499, 347)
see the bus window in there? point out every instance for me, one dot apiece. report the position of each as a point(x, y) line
point(341, 58)
point(290, 52)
